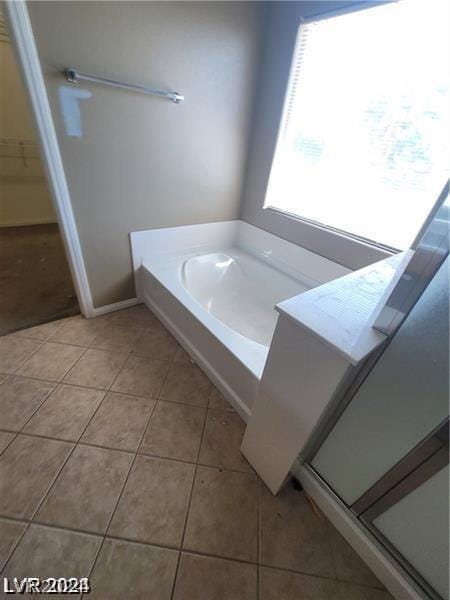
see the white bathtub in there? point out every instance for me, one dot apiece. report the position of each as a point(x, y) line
point(215, 286)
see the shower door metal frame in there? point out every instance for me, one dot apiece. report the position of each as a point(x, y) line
point(424, 452)
point(435, 463)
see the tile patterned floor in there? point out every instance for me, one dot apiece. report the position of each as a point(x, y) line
point(120, 461)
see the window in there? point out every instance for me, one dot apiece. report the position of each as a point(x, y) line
point(363, 144)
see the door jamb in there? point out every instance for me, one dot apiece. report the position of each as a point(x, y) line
point(24, 46)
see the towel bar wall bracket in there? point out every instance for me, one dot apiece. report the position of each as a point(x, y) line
point(74, 76)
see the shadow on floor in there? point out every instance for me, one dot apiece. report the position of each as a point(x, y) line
point(35, 280)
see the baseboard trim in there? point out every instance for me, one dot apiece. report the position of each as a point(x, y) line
point(365, 545)
point(108, 308)
point(28, 223)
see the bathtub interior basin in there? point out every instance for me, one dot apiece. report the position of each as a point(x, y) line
point(217, 288)
point(239, 290)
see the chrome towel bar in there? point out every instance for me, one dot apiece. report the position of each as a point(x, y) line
point(74, 76)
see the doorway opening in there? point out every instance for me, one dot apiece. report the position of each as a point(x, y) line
point(35, 279)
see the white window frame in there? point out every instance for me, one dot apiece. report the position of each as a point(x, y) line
point(359, 241)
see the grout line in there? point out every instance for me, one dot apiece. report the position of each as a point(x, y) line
point(50, 338)
point(46, 397)
point(68, 457)
point(181, 550)
point(127, 357)
point(108, 389)
point(115, 449)
point(40, 344)
point(73, 449)
point(14, 435)
point(146, 429)
point(33, 339)
point(35, 379)
point(205, 406)
point(171, 362)
point(56, 387)
point(50, 341)
point(155, 404)
point(188, 509)
point(91, 570)
point(56, 381)
point(44, 496)
point(73, 364)
point(103, 389)
point(120, 493)
point(13, 549)
point(128, 348)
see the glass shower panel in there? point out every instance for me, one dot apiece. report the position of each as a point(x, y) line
point(420, 521)
point(400, 402)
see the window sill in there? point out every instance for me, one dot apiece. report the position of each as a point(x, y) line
point(338, 233)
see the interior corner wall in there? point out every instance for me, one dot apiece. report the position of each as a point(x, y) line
point(283, 21)
point(143, 162)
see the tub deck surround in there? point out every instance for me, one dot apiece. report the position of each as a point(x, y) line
point(342, 312)
point(215, 287)
point(319, 337)
point(184, 510)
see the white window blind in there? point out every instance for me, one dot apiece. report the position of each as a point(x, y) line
point(363, 144)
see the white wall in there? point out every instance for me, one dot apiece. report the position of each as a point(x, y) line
point(144, 162)
point(282, 26)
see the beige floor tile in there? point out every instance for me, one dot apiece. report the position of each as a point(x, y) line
point(96, 368)
point(350, 591)
point(156, 343)
point(138, 315)
point(174, 431)
point(41, 333)
point(3, 377)
point(217, 401)
point(65, 413)
point(19, 399)
point(47, 552)
point(181, 356)
point(120, 422)
point(282, 585)
point(222, 517)
point(154, 502)
point(77, 331)
point(51, 361)
point(222, 440)
point(133, 571)
point(14, 351)
point(349, 566)
point(206, 578)
point(116, 337)
point(186, 384)
point(10, 532)
point(5, 439)
point(292, 535)
point(27, 468)
point(141, 376)
point(87, 489)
